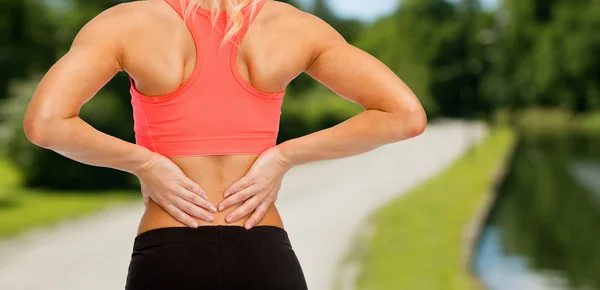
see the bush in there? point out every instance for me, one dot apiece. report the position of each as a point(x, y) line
point(47, 169)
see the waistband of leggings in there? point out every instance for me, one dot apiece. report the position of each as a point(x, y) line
point(211, 233)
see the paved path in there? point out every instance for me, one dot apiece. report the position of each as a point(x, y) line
point(93, 253)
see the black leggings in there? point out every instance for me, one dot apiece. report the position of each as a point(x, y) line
point(214, 258)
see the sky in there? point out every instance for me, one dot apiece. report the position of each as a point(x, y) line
point(374, 9)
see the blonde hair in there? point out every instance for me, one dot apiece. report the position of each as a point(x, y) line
point(233, 9)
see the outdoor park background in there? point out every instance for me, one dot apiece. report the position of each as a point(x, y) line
point(530, 69)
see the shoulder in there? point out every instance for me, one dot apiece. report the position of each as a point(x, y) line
point(303, 27)
point(124, 21)
point(118, 27)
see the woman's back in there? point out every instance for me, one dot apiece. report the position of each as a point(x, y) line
point(150, 41)
point(161, 55)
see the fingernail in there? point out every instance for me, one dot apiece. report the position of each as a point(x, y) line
point(228, 219)
point(213, 208)
point(248, 226)
point(194, 224)
point(211, 218)
point(205, 196)
point(221, 208)
point(226, 194)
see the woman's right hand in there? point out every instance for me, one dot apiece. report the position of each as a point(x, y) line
point(164, 182)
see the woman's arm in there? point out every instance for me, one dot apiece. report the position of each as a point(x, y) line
point(52, 119)
point(392, 113)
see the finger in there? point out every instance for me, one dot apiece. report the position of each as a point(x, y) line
point(244, 182)
point(244, 210)
point(195, 199)
point(238, 197)
point(192, 209)
point(258, 214)
point(180, 216)
point(193, 187)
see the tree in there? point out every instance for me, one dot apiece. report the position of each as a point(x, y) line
point(545, 55)
point(26, 34)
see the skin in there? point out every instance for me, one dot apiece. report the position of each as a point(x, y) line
point(281, 43)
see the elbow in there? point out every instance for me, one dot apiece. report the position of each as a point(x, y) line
point(417, 121)
point(37, 130)
point(412, 121)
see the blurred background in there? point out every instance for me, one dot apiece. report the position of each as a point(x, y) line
point(527, 193)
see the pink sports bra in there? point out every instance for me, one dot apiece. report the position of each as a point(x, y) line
point(215, 111)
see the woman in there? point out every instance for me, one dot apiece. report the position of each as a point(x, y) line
point(207, 83)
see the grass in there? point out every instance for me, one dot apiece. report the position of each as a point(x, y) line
point(417, 239)
point(22, 209)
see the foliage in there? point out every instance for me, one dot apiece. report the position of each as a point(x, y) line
point(109, 111)
point(464, 61)
point(546, 55)
point(434, 47)
point(26, 40)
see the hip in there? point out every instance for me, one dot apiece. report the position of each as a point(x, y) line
point(214, 257)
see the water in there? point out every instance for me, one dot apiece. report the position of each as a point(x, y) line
point(544, 230)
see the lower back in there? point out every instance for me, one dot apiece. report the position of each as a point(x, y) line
point(214, 174)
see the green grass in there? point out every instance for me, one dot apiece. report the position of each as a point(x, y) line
point(9, 177)
point(22, 209)
point(418, 239)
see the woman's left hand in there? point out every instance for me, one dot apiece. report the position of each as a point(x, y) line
point(258, 189)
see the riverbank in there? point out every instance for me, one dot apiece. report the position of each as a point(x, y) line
point(417, 240)
point(22, 209)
